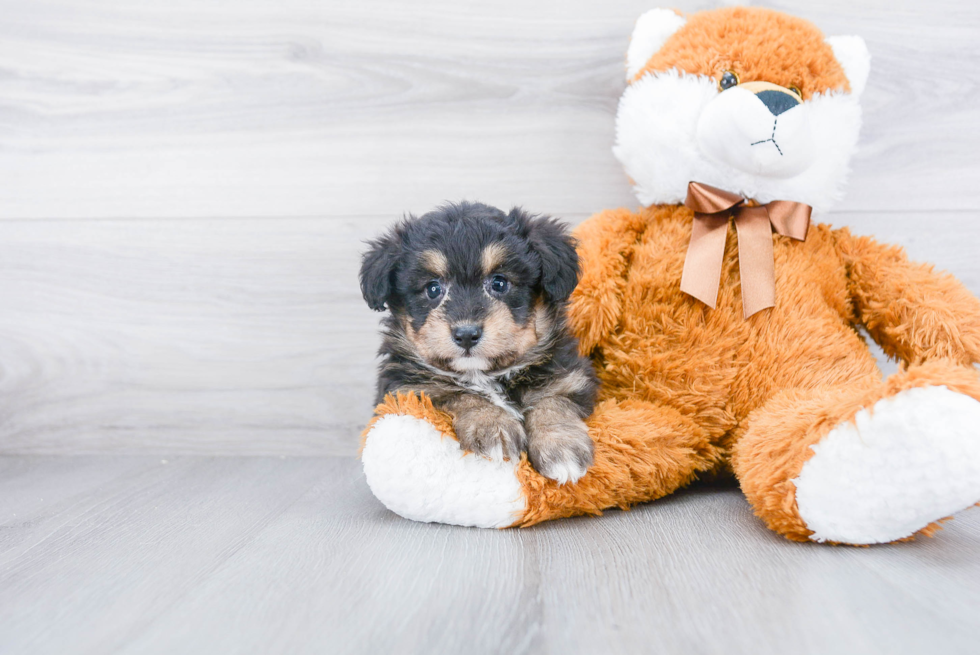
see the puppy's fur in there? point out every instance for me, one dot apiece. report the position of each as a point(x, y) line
point(477, 304)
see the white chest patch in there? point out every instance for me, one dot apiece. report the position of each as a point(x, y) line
point(481, 383)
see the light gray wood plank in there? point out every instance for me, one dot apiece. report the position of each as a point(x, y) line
point(247, 336)
point(36, 495)
point(93, 569)
point(697, 572)
point(250, 334)
point(298, 108)
point(268, 555)
point(232, 336)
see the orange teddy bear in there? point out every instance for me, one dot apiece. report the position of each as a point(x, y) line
point(724, 327)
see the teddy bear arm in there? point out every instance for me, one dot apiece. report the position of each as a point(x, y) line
point(912, 311)
point(605, 247)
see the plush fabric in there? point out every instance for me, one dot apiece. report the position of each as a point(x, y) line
point(789, 401)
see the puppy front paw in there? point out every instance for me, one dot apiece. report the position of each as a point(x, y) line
point(560, 449)
point(490, 431)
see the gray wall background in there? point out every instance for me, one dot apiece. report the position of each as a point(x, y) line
point(185, 186)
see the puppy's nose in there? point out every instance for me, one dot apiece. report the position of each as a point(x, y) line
point(777, 101)
point(466, 336)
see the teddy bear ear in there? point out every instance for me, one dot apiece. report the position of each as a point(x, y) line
point(652, 29)
point(853, 55)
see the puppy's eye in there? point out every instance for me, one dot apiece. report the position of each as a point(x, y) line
point(433, 289)
point(727, 80)
point(499, 284)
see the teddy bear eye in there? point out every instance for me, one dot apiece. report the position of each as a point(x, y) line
point(728, 80)
point(796, 90)
point(433, 289)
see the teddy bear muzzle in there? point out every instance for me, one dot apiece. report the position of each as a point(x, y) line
point(759, 128)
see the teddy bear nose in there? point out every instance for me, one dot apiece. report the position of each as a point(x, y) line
point(466, 336)
point(776, 101)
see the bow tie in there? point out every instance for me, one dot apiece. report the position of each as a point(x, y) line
point(702, 267)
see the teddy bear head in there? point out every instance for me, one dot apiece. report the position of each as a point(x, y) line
point(746, 99)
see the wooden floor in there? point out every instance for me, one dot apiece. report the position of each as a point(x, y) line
point(130, 554)
point(186, 362)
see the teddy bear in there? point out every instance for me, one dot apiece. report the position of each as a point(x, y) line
point(724, 320)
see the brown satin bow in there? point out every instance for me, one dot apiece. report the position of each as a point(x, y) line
point(702, 267)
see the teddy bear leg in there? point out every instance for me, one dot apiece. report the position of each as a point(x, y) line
point(643, 451)
point(414, 465)
point(872, 462)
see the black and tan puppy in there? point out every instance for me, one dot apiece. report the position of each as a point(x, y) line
point(477, 321)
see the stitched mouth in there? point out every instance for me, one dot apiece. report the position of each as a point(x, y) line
point(772, 138)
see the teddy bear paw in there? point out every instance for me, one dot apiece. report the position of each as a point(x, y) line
point(423, 475)
point(911, 460)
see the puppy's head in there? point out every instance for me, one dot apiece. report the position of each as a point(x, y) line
point(471, 288)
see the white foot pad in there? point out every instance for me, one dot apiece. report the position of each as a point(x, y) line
point(914, 459)
point(421, 475)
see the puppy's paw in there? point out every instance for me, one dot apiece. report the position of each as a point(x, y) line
point(490, 431)
point(560, 449)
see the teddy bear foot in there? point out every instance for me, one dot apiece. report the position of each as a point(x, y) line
point(423, 475)
point(911, 460)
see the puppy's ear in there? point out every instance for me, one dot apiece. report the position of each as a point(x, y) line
point(549, 238)
point(378, 266)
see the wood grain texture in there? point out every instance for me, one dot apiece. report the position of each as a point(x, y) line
point(204, 108)
point(231, 337)
point(269, 555)
point(187, 189)
point(242, 337)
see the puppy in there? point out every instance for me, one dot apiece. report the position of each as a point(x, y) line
point(477, 304)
